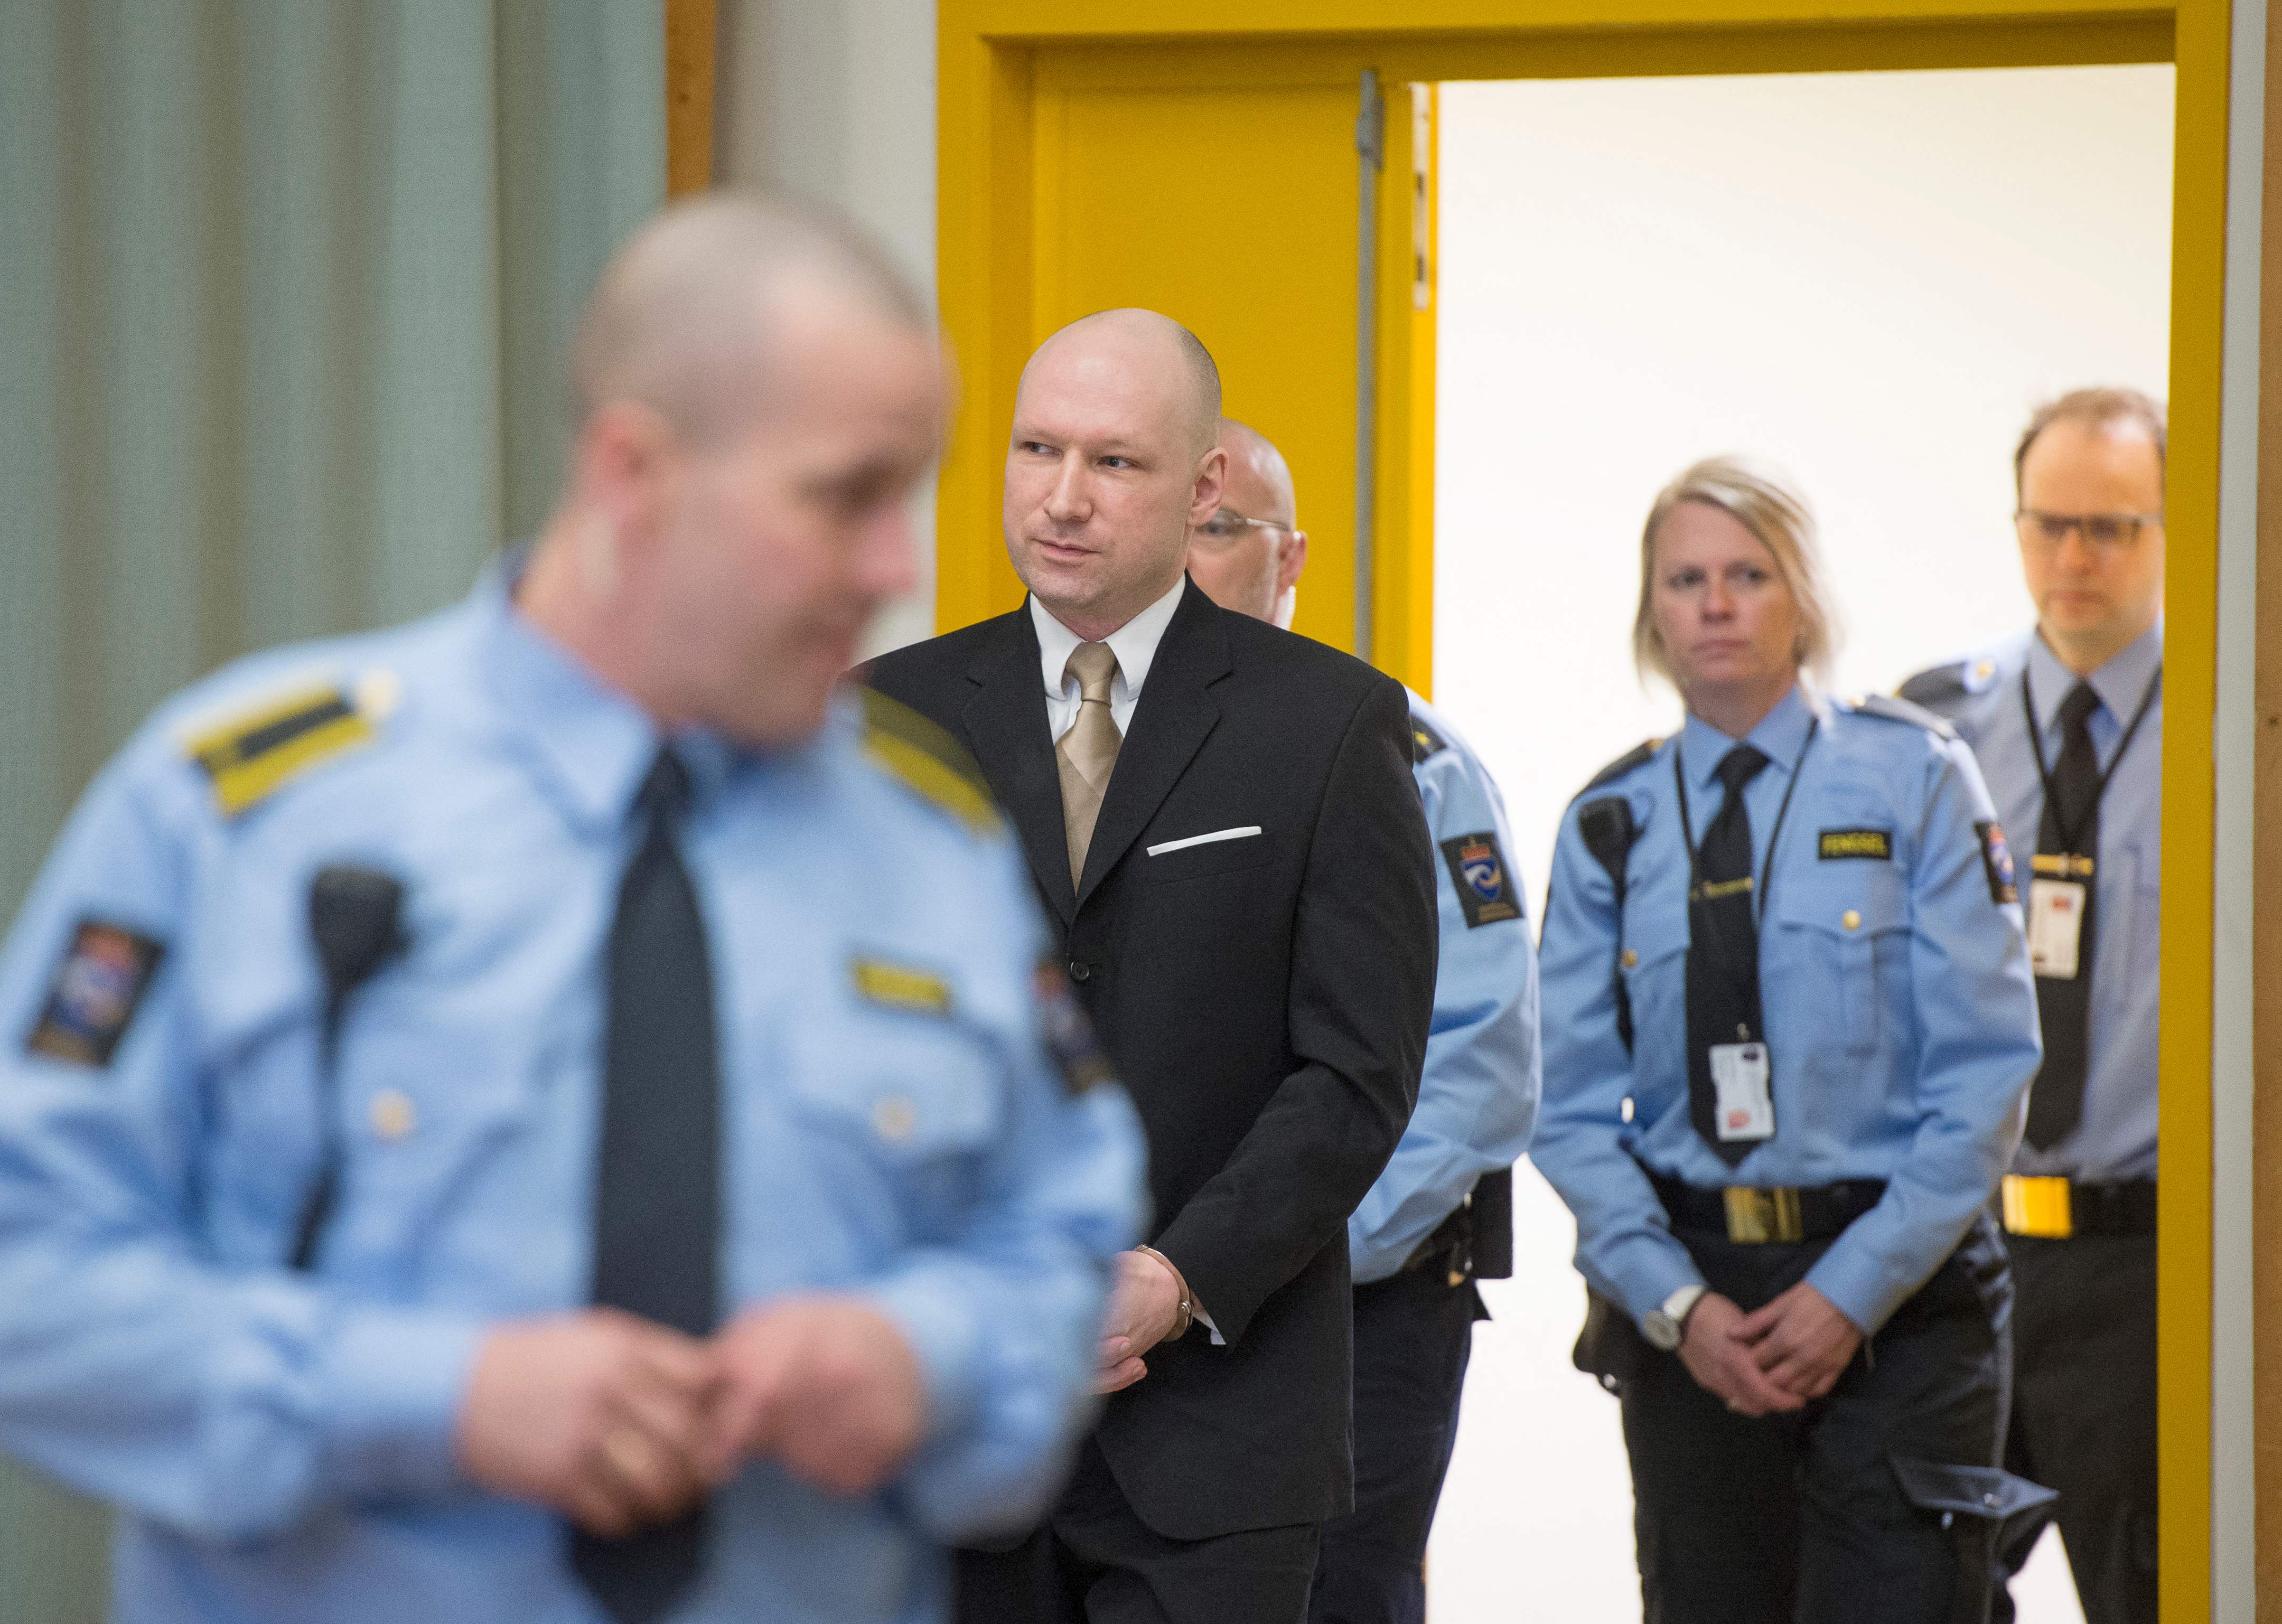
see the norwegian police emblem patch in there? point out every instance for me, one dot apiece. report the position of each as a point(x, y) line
point(1477, 872)
point(1997, 863)
point(1066, 1033)
point(97, 985)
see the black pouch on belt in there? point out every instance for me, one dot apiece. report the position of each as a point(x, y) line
point(1609, 1348)
point(1985, 1509)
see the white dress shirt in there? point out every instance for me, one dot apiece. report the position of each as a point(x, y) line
point(1135, 644)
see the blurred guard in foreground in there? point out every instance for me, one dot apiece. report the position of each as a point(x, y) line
point(2068, 723)
point(545, 1113)
point(1441, 1216)
point(1788, 1025)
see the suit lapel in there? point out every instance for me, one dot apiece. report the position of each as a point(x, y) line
point(1006, 728)
point(1176, 712)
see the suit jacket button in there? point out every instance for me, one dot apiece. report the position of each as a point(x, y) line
point(1079, 971)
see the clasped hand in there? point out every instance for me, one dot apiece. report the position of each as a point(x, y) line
point(1144, 1304)
point(1774, 1359)
point(619, 1423)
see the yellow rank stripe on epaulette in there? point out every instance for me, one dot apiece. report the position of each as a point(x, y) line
point(911, 748)
point(249, 757)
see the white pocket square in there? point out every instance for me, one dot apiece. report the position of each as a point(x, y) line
point(1163, 846)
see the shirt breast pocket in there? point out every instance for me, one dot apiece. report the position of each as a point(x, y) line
point(901, 1105)
point(1845, 936)
point(1653, 963)
point(435, 1125)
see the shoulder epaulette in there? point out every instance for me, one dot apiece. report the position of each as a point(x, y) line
point(1622, 765)
point(1901, 710)
point(258, 750)
point(926, 760)
point(1938, 688)
point(1424, 741)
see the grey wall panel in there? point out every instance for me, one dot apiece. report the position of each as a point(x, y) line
point(285, 296)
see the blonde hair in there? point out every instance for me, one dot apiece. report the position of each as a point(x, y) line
point(1765, 504)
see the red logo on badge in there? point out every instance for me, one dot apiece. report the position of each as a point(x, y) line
point(1739, 1119)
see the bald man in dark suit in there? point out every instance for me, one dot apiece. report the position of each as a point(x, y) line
point(1229, 846)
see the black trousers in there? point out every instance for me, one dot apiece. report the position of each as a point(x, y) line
point(1096, 1562)
point(1412, 1333)
point(1863, 1506)
point(2084, 1413)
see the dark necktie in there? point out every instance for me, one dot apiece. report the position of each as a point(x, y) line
point(1723, 950)
point(2069, 827)
point(657, 1209)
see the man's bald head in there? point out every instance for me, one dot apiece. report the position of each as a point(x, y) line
point(1248, 556)
point(1113, 459)
point(761, 396)
point(1260, 481)
point(1133, 337)
point(686, 315)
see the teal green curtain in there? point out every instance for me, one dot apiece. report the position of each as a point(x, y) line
point(285, 290)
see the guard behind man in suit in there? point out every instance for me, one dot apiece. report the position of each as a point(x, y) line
point(1223, 826)
point(2067, 720)
point(1442, 1215)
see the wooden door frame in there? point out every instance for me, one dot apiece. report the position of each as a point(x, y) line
point(989, 54)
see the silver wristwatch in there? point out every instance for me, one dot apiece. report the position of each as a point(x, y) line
point(1664, 1325)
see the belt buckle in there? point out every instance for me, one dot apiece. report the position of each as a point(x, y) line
point(1758, 1218)
point(2038, 1207)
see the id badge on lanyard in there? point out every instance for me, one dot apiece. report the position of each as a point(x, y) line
point(1742, 1085)
point(1745, 1102)
point(2058, 898)
point(2056, 910)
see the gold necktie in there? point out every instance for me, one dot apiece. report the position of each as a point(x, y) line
point(1088, 752)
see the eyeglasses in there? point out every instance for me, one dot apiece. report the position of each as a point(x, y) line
point(1227, 525)
point(2107, 532)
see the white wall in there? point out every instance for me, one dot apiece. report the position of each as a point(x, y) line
point(1868, 279)
point(835, 99)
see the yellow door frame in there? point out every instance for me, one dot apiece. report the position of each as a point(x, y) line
point(993, 55)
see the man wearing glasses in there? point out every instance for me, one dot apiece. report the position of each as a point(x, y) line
point(1440, 1215)
point(2068, 723)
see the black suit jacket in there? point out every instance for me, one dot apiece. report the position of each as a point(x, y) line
point(1265, 1000)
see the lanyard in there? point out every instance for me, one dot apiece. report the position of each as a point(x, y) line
point(1766, 864)
point(2044, 774)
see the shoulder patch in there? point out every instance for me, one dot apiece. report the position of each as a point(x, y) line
point(1997, 863)
point(1477, 873)
point(97, 985)
point(926, 760)
point(258, 751)
point(1067, 1033)
point(1635, 757)
point(1424, 741)
point(1894, 709)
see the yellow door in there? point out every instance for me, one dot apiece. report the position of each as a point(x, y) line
point(1094, 153)
point(1234, 211)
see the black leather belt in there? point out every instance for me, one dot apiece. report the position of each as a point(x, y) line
point(2057, 1208)
point(1752, 1216)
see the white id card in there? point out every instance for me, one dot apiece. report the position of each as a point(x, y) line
point(2055, 927)
point(1739, 1079)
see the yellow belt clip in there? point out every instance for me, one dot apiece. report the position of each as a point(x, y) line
point(1757, 1217)
point(2037, 1207)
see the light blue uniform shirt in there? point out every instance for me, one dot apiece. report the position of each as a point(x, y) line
point(280, 1444)
point(1900, 1020)
point(1478, 1097)
point(2115, 1139)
